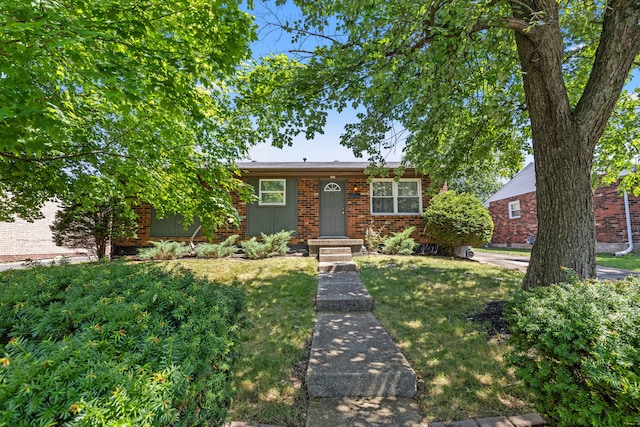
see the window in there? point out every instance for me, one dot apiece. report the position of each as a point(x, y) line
point(332, 186)
point(389, 197)
point(514, 209)
point(272, 192)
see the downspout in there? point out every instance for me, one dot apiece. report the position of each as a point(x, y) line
point(629, 232)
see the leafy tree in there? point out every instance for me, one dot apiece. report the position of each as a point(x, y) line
point(482, 183)
point(453, 220)
point(148, 96)
point(93, 226)
point(472, 82)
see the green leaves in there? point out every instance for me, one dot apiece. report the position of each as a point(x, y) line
point(576, 347)
point(127, 91)
point(113, 344)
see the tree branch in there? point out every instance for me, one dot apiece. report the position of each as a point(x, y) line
point(62, 156)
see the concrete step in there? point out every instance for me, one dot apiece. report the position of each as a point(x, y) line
point(334, 267)
point(341, 250)
point(342, 292)
point(360, 412)
point(316, 244)
point(352, 355)
point(335, 257)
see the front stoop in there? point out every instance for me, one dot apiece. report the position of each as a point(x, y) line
point(315, 244)
point(353, 355)
point(342, 292)
point(360, 412)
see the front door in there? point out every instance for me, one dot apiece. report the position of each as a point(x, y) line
point(333, 202)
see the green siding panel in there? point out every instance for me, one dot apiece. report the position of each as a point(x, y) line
point(271, 219)
point(172, 225)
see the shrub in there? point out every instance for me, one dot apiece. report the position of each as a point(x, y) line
point(116, 344)
point(399, 243)
point(164, 249)
point(219, 250)
point(453, 220)
point(373, 238)
point(272, 245)
point(578, 349)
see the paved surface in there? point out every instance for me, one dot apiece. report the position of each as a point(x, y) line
point(516, 262)
point(17, 265)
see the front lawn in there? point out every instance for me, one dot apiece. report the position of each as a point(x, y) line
point(280, 293)
point(426, 304)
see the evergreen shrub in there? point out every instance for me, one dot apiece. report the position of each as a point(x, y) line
point(453, 220)
point(272, 245)
point(164, 249)
point(578, 349)
point(218, 250)
point(116, 344)
point(399, 243)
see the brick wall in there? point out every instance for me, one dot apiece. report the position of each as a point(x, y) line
point(358, 211)
point(611, 227)
point(514, 231)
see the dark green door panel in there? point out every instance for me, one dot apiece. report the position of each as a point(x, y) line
point(271, 219)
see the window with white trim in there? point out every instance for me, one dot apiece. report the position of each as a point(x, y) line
point(390, 197)
point(514, 209)
point(272, 192)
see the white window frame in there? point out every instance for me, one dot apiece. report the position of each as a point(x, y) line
point(395, 197)
point(283, 192)
point(512, 210)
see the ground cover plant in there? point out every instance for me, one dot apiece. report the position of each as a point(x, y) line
point(626, 262)
point(426, 304)
point(270, 369)
point(163, 250)
point(578, 348)
point(272, 245)
point(218, 250)
point(116, 344)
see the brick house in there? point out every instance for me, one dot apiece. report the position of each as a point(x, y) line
point(316, 200)
point(513, 209)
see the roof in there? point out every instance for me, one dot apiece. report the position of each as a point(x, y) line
point(524, 182)
point(310, 168)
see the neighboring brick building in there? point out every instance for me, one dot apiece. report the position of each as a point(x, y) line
point(513, 209)
point(315, 200)
point(21, 240)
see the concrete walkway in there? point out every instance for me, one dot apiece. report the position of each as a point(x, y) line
point(357, 376)
point(517, 262)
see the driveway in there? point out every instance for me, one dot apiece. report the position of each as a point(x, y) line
point(16, 265)
point(517, 262)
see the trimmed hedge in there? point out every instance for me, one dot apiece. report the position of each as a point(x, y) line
point(453, 220)
point(116, 344)
point(578, 349)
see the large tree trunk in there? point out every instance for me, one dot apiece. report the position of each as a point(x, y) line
point(564, 138)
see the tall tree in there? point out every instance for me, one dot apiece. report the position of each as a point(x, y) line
point(476, 81)
point(136, 93)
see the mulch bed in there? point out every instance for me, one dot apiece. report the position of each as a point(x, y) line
point(493, 318)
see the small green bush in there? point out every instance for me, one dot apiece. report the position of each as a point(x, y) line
point(116, 344)
point(272, 245)
point(578, 349)
point(399, 243)
point(453, 220)
point(219, 250)
point(164, 249)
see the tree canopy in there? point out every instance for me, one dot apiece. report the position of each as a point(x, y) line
point(148, 97)
point(481, 83)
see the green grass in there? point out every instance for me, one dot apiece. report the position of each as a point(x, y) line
point(280, 294)
point(627, 262)
point(425, 303)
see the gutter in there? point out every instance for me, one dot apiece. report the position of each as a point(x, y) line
point(629, 232)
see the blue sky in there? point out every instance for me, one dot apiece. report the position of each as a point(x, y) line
point(322, 148)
